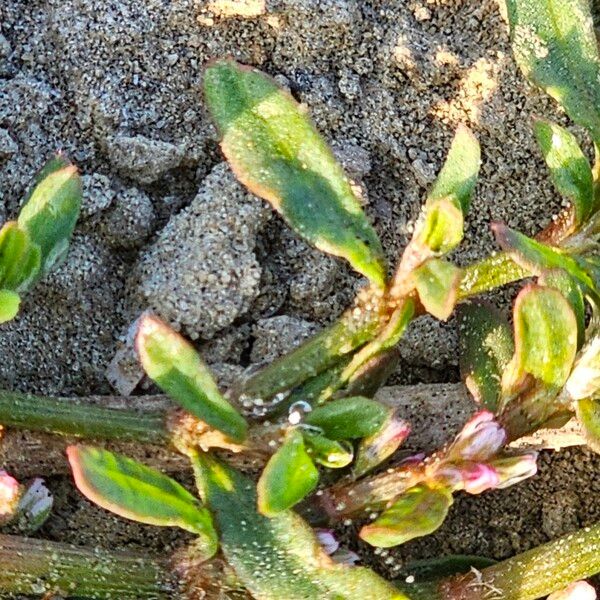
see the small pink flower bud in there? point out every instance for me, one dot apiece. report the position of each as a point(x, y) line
point(10, 491)
point(580, 590)
point(514, 469)
point(327, 540)
point(479, 477)
point(481, 438)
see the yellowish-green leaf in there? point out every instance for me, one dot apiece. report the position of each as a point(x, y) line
point(9, 305)
point(570, 169)
point(419, 511)
point(19, 258)
point(137, 492)
point(332, 454)
point(448, 201)
point(278, 558)
point(555, 46)
point(588, 413)
point(178, 370)
point(51, 211)
point(275, 150)
point(437, 283)
point(545, 337)
point(289, 476)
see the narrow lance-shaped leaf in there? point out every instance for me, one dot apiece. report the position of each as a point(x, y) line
point(486, 347)
point(348, 418)
point(288, 477)
point(278, 557)
point(275, 150)
point(419, 511)
point(437, 283)
point(570, 169)
point(537, 257)
point(178, 370)
point(137, 492)
point(545, 338)
point(51, 211)
point(450, 198)
point(555, 46)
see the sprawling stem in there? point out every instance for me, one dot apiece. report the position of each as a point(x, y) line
point(74, 416)
point(39, 567)
point(533, 574)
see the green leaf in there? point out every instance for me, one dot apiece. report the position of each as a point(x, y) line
point(275, 150)
point(137, 492)
point(51, 211)
point(588, 413)
point(437, 283)
point(486, 348)
point(324, 451)
point(19, 258)
point(584, 380)
point(555, 45)
point(545, 337)
point(537, 258)
point(430, 569)
point(379, 446)
point(570, 169)
point(450, 198)
point(419, 511)
point(277, 558)
point(348, 418)
point(568, 287)
point(178, 370)
point(288, 477)
point(9, 305)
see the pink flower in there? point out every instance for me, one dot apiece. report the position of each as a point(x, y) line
point(580, 590)
point(327, 540)
point(481, 438)
point(514, 469)
point(479, 477)
point(10, 491)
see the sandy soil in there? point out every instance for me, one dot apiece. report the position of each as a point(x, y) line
point(117, 86)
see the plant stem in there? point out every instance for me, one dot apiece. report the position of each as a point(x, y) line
point(37, 567)
point(533, 574)
point(77, 416)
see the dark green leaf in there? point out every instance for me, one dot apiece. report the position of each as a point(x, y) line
point(545, 337)
point(9, 305)
point(348, 418)
point(486, 347)
point(419, 511)
point(570, 169)
point(430, 569)
point(588, 413)
point(437, 283)
point(555, 46)
point(275, 151)
point(278, 558)
point(19, 258)
point(324, 451)
point(178, 370)
point(288, 477)
point(137, 492)
point(51, 211)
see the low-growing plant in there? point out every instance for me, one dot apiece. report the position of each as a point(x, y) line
point(310, 416)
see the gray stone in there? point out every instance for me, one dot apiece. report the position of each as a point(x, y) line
point(275, 336)
point(142, 159)
point(97, 194)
